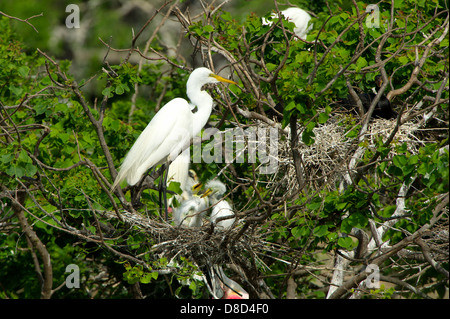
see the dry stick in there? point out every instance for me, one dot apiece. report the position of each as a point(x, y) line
point(427, 254)
point(147, 46)
point(17, 205)
point(378, 260)
point(97, 123)
point(26, 20)
point(420, 63)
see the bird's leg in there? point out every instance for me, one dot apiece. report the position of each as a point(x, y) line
point(163, 189)
point(136, 191)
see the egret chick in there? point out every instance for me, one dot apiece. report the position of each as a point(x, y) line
point(221, 207)
point(191, 212)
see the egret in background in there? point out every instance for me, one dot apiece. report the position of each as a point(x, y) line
point(221, 208)
point(299, 17)
point(170, 131)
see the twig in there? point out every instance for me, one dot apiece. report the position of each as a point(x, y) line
point(26, 20)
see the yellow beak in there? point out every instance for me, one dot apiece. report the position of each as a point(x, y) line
point(221, 79)
point(208, 192)
point(197, 187)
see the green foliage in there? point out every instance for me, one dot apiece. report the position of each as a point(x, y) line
point(52, 150)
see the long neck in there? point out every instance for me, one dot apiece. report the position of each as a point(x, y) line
point(204, 103)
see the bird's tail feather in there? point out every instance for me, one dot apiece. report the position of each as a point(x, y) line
point(119, 178)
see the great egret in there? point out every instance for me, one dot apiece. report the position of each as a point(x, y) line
point(170, 130)
point(383, 109)
point(221, 208)
point(298, 16)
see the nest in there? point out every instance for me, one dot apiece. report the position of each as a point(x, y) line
point(326, 160)
point(203, 245)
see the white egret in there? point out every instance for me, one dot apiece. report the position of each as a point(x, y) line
point(170, 130)
point(221, 208)
point(299, 17)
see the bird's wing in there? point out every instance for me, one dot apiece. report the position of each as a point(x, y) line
point(171, 134)
point(145, 151)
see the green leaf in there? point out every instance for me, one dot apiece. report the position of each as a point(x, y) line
point(398, 3)
point(321, 231)
point(314, 205)
point(323, 117)
point(23, 71)
point(226, 16)
point(15, 170)
point(345, 242)
point(296, 232)
point(119, 90)
point(30, 170)
point(357, 220)
point(7, 158)
point(17, 90)
point(332, 236)
point(271, 67)
point(107, 92)
point(399, 160)
point(300, 231)
point(290, 106)
point(208, 28)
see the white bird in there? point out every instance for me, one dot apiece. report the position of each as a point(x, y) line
point(221, 207)
point(299, 17)
point(179, 171)
point(171, 129)
point(191, 212)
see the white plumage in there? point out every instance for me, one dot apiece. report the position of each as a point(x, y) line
point(191, 212)
point(171, 129)
point(221, 207)
point(179, 170)
point(299, 17)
